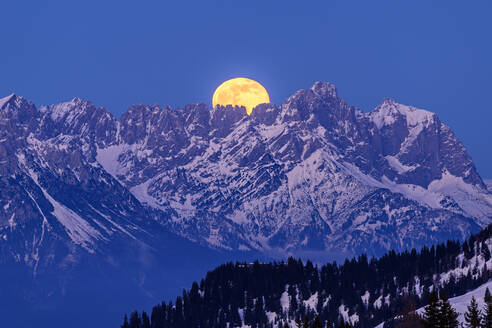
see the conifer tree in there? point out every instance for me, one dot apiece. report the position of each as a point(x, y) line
point(292, 292)
point(473, 315)
point(259, 313)
point(432, 313)
point(145, 320)
point(234, 319)
point(448, 315)
point(135, 321)
point(298, 322)
point(125, 322)
point(487, 315)
point(249, 316)
point(317, 323)
point(485, 251)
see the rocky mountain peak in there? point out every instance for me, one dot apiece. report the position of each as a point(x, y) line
point(77, 100)
point(66, 111)
point(18, 116)
point(140, 114)
point(390, 112)
point(16, 104)
point(265, 113)
point(223, 119)
point(319, 92)
point(5, 100)
point(197, 119)
point(77, 118)
point(324, 89)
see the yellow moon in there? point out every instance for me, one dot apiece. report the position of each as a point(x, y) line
point(240, 92)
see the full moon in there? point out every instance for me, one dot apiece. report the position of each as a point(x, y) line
point(240, 92)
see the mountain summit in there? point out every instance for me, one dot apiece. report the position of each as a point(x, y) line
point(312, 174)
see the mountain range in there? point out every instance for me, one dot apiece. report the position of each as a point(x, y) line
point(313, 176)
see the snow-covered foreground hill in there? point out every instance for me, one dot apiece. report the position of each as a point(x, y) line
point(460, 303)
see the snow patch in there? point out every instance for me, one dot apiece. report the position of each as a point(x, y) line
point(117, 226)
point(312, 302)
point(378, 302)
point(141, 193)
point(3, 101)
point(78, 229)
point(344, 312)
point(385, 114)
point(108, 159)
point(271, 316)
point(285, 300)
point(399, 167)
point(238, 217)
point(419, 289)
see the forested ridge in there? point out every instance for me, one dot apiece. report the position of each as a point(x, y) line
point(360, 292)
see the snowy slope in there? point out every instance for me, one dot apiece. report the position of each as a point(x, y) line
point(460, 303)
point(4, 100)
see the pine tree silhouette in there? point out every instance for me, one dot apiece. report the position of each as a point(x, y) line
point(298, 322)
point(487, 313)
point(448, 315)
point(432, 314)
point(125, 322)
point(145, 320)
point(135, 321)
point(473, 315)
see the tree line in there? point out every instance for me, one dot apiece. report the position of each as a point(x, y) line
point(280, 293)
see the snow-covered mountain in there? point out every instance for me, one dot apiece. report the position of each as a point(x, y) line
point(312, 174)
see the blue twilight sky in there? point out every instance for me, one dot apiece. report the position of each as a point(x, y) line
point(435, 55)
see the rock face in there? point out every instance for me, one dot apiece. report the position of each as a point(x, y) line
point(313, 174)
